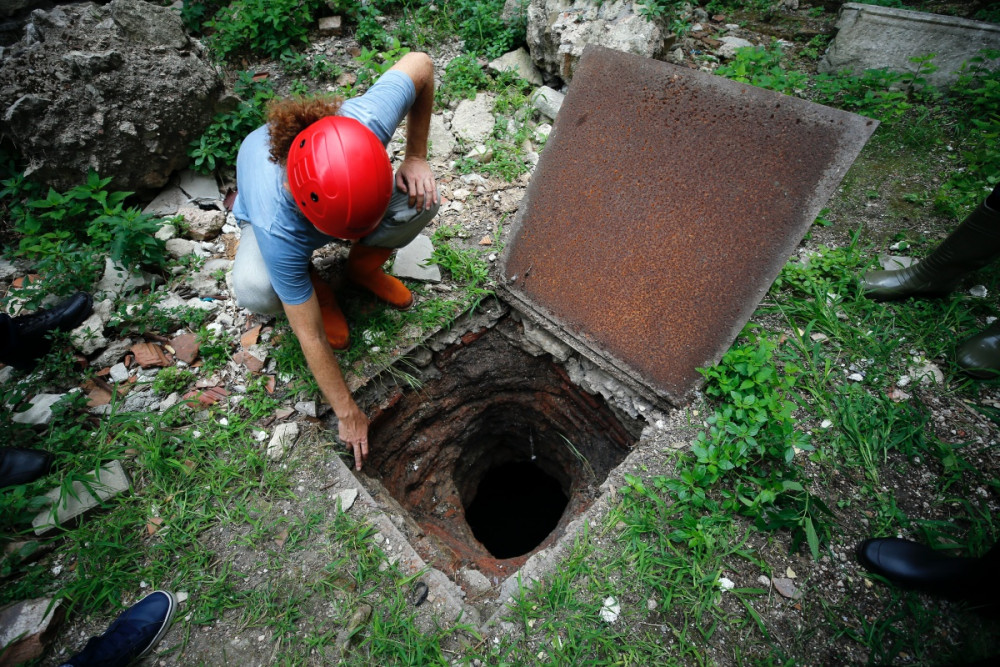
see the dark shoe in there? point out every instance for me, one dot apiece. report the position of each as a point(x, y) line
point(912, 565)
point(979, 356)
point(973, 245)
point(132, 635)
point(27, 339)
point(22, 466)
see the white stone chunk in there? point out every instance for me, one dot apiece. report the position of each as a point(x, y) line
point(40, 411)
point(282, 440)
point(346, 499)
point(413, 261)
point(548, 101)
point(111, 480)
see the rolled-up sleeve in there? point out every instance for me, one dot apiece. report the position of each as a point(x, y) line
point(384, 106)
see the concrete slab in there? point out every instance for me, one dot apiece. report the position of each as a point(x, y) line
point(664, 205)
point(444, 602)
point(412, 261)
point(27, 627)
point(201, 189)
point(110, 481)
point(873, 37)
point(40, 411)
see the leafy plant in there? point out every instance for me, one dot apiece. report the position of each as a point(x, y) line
point(463, 78)
point(171, 379)
point(664, 12)
point(145, 314)
point(265, 28)
point(815, 47)
point(65, 232)
point(317, 67)
point(214, 349)
point(220, 142)
point(485, 31)
point(369, 31)
point(743, 462)
point(373, 64)
point(194, 13)
point(762, 67)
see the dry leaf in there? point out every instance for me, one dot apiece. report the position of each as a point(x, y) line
point(153, 525)
point(281, 538)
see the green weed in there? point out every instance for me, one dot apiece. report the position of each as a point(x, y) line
point(374, 63)
point(317, 67)
point(214, 349)
point(265, 28)
point(220, 142)
point(194, 13)
point(65, 233)
point(463, 78)
point(172, 379)
point(482, 27)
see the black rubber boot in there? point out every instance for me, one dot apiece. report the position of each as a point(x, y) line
point(913, 565)
point(26, 340)
point(21, 466)
point(973, 245)
point(979, 356)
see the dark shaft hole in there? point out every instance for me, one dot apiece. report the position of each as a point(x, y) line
point(516, 506)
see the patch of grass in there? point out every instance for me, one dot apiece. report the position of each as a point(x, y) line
point(666, 587)
point(463, 78)
point(316, 67)
point(146, 313)
point(172, 379)
point(182, 473)
point(214, 349)
point(508, 140)
point(483, 29)
point(910, 110)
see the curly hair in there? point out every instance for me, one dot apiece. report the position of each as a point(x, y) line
point(286, 118)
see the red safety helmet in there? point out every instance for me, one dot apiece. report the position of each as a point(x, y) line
point(340, 176)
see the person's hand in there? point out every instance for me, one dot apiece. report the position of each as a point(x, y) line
point(415, 178)
point(353, 430)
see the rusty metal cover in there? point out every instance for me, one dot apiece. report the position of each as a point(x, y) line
point(663, 207)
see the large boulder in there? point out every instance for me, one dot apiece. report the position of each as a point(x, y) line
point(874, 37)
point(118, 88)
point(558, 30)
point(10, 8)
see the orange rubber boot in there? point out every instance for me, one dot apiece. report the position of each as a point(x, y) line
point(334, 323)
point(364, 267)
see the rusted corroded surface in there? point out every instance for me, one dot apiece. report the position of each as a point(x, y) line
point(664, 205)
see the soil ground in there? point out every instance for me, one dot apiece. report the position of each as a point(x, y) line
point(814, 630)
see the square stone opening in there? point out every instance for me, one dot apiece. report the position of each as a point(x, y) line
point(496, 455)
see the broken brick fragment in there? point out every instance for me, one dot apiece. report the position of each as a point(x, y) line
point(150, 355)
point(206, 397)
point(96, 394)
point(251, 337)
point(27, 627)
point(185, 347)
point(23, 281)
point(252, 363)
point(473, 336)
